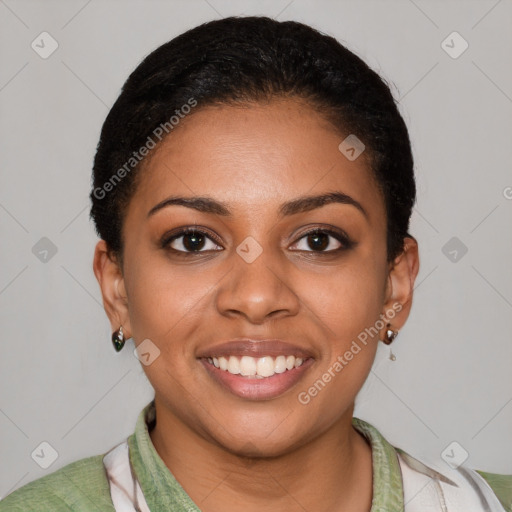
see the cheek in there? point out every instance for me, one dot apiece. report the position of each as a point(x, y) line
point(163, 297)
point(167, 307)
point(349, 299)
point(346, 306)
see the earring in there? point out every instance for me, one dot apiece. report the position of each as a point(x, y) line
point(118, 339)
point(388, 339)
point(390, 335)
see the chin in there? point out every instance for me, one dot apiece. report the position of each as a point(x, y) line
point(260, 437)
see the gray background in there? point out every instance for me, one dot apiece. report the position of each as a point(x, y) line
point(62, 382)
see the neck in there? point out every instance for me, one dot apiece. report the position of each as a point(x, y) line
point(331, 473)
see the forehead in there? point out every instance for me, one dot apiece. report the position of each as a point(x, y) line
point(255, 156)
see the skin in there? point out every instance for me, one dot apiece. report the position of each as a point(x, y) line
point(230, 453)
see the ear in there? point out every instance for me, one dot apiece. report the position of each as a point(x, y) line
point(400, 285)
point(110, 278)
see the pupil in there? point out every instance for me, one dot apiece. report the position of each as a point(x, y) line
point(193, 241)
point(318, 241)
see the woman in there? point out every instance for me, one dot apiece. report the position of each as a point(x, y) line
point(252, 190)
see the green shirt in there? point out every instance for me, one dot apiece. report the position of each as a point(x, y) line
point(83, 485)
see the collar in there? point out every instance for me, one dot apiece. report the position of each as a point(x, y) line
point(163, 492)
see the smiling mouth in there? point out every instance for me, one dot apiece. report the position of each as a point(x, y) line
point(256, 367)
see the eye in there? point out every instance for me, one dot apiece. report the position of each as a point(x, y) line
point(189, 241)
point(324, 240)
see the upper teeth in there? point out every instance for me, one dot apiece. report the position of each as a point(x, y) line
point(256, 367)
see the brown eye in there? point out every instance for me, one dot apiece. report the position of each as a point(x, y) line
point(318, 241)
point(323, 240)
point(190, 241)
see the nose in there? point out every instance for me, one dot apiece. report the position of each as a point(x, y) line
point(257, 290)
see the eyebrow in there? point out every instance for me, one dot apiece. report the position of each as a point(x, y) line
point(299, 205)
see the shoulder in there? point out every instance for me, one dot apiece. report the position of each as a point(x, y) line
point(501, 485)
point(460, 487)
point(81, 485)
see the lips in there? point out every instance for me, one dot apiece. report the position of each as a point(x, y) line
point(255, 348)
point(256, 369)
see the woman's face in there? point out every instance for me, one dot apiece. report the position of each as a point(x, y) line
point(252, 272)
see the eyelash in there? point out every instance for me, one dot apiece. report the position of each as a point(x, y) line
point(341, 237)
